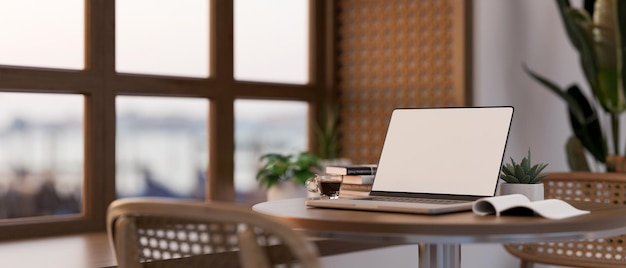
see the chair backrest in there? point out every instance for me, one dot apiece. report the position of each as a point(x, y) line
point(157, 232)
point(608, 188)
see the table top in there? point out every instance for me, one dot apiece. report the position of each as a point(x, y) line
point(464, 227)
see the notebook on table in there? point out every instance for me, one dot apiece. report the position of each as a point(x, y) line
point(435, 160)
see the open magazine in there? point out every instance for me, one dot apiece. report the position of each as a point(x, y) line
point(517, 204)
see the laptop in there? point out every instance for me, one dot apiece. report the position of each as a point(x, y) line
point(435, 160)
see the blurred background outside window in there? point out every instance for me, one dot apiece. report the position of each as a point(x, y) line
point(41, 154)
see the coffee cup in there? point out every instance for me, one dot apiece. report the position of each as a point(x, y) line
point(326, 185)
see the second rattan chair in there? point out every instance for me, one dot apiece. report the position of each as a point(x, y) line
point(609, 188)
point(154, 232)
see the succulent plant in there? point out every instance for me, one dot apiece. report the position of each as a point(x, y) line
point(522, 172)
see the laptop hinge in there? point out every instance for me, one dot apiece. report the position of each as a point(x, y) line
point(424, 195)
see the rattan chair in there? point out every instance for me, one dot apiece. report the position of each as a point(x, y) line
point(155, 232)
point(607, 188)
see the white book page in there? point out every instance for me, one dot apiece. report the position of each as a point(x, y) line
point(496, 204)
point(554, 209)
point(517, 204)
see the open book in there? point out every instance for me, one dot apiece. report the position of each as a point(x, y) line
point(517, 204)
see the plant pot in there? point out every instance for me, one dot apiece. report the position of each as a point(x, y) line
point(616, 163)
point(285, 190)
point(534, 191)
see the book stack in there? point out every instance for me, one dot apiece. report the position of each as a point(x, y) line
point(356, 180)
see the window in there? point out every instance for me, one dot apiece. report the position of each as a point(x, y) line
point(33, 33)
point(161, 147)
point(265, 127)
point(162, 37)
point(165, 95)
point(272, 47)
point(41, 154)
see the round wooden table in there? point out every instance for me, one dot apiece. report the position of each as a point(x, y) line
point(440, 236)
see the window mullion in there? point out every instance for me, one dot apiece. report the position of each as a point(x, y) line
point(220, 177)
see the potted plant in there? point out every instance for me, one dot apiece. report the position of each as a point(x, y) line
point(522, 178)
point(284, 175)
point(599, 36)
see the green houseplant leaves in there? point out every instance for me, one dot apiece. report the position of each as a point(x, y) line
point(600, 40)
point(279, 167)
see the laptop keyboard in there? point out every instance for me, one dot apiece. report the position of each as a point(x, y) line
point(416, 200)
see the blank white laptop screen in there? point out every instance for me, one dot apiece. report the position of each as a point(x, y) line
point(453, 151)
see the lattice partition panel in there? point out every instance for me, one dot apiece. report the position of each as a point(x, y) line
point(393, 53)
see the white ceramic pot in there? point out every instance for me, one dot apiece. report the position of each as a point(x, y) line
point(285, 190)
point(534, 191)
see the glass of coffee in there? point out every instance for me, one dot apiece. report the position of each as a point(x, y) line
point(326, 185)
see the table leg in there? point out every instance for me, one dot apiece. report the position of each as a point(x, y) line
point(439, 255)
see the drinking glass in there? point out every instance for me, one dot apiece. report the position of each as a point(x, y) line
point(326, 185)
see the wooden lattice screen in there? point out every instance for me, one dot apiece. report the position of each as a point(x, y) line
point(396, 53)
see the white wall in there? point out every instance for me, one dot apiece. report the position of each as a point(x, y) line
point(508, 34)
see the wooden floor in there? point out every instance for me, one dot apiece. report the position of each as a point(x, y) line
point(69, 251)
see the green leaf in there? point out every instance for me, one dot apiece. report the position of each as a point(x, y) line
point(539, 178)
point(610, 97)
point(513, 164)
point(510, 179)
point(306, 160)
point(519, 173)
point(564, 5)
point(526, 163)
point(607, 50)
point(302, 175)
point(588, 131)
point(587, 53)
point(621, 54)
point(534, 173)
point(578, 26)
point(621, 60)
point(508, 169)
point(576, 159)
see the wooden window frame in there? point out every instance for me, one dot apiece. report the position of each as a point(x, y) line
point(100, 85)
